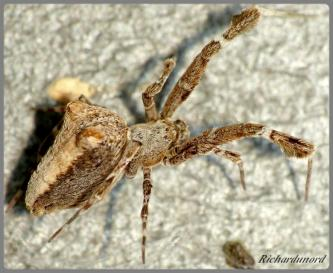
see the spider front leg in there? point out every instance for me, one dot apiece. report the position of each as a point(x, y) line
point(190, 79)
point(153, 89)
point(147, 185)
point(211, 138)
point(240, 23)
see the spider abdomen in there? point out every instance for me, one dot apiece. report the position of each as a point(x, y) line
point(84, 153)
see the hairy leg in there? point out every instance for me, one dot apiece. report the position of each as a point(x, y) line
point(153, 89)
point(235, 158)
point(211, 138)
point(147, 185)
point(70, 220)
point(242, 22)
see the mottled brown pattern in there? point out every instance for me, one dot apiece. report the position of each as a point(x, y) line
point(146, 186)
point(156, 138)
point(79, 182)
point(242, 22)
point(292, 146)
point(190, 79)
point(86, 133)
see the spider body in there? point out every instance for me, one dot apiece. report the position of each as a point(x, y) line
point(95, 147)
point(157, 139)
point(84, 153)
point(90, 149)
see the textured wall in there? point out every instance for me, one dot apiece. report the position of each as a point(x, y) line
point(276, 75)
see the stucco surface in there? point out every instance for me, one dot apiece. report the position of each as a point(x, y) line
point(276, 75)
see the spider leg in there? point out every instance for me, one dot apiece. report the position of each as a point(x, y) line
point(190, 79)
point(235, 158)
point(209, 139)
point(153, 89)
point(242, 22)
point(147, 185)
point(70, 220)
point(308, 179)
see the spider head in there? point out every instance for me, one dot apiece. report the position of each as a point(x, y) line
point(183, 132)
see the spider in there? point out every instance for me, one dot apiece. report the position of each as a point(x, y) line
point(95, 148)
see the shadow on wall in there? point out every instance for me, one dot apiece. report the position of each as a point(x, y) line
point(46, 118)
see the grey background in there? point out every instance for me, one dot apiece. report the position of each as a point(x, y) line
point(276, 75)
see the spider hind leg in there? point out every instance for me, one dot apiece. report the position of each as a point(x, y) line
point(147, 185)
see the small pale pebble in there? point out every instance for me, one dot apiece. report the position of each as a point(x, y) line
point(67, 89)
